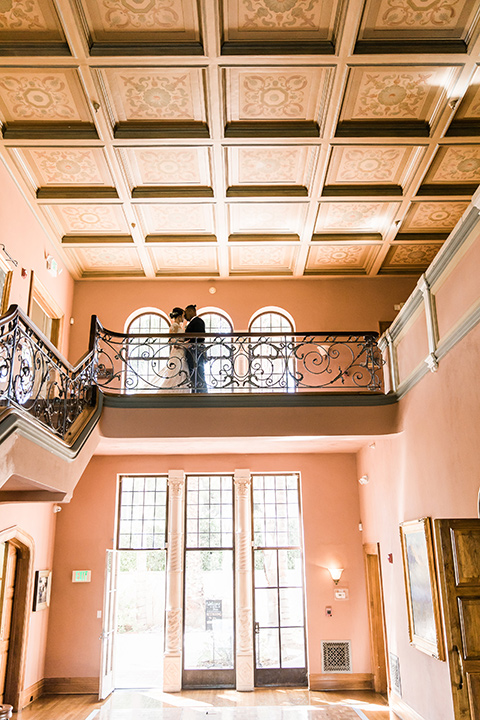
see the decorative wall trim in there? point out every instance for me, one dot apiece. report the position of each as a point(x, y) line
point(32, 693)
point(71, 686)
point(340, 681)
point(400, 708)
point(459, 331)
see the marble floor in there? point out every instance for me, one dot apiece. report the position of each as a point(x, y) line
point(263, 704)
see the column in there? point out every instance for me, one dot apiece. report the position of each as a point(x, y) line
point(243, 581)
point(172, 659)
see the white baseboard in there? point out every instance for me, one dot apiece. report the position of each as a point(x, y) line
point(400, 708)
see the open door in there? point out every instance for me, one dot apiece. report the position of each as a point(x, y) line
point(108, 630)
point(378, 636)
point(458, 549)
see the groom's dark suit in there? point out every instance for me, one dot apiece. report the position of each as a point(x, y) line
point(195, 354)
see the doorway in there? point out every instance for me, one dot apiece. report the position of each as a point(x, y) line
point(139, 631)
point(16, 548)
point(378, 636)
point(140, 582)
point(279, 617)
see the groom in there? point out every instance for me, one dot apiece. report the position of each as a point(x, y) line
point(195, 350)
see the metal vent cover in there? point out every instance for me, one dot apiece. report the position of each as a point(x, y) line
point(395, 674)
point(336, 656)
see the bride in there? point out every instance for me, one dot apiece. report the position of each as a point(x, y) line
point(176, 377)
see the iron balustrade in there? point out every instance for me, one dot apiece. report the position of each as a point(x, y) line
point(35, 378)
point(236, 362)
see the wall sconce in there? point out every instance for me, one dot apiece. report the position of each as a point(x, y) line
point(336, 574)
point(363, 480)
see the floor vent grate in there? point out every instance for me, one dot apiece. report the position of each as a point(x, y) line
point(395, 674)
point(336, 656)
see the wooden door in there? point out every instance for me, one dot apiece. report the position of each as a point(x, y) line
point(8, 569)
point(378, 643)
point(458, 549)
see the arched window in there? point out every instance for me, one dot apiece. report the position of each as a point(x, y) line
point(271, 363)
point(146, 358)
point(219, 357)
point(216, 321)
point(271, 319)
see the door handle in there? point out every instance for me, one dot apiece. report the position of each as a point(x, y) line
point(459, 666)
point(257, 628)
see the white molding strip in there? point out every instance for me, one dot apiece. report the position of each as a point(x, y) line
point(400, 708)
point(93, 714)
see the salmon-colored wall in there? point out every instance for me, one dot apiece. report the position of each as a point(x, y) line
point(430, 469)
point(412, 347)
point(326, 304)
point(39, 522)
point(458, 292)
point(331, 536)
point(27, 242)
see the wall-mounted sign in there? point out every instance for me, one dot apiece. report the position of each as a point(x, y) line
point(213, 611)
point(81, 575)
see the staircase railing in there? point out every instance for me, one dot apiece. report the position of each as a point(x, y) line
point(35, 379)
point(236, 362)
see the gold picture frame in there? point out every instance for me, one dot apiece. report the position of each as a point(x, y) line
point(421, 587)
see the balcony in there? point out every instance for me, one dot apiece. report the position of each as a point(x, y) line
point(230, 366)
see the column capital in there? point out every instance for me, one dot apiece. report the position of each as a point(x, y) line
point(176, 482)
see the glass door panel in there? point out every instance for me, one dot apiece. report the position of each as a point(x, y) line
point(278, 577)
point(208, 640)
point(208, 656)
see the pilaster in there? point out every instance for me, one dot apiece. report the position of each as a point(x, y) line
point(172, 661)
point(244, 652)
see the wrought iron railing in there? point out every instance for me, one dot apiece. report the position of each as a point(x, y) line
point(35, 379)
point(236, 362)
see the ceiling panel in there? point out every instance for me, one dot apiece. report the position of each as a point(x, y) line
point(262, 260)
point(242, 137)
point(89, 219)
point(171, 166)
point(268, 218)
point(424, 217)
point(176, 218)
point(340, 259)
point(191, 260)
point(107, 261)
point(396, 25)
point(137, 21)
point(358, 216)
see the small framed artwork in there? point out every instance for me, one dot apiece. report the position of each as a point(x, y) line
point(423, 602)
point(41, 595)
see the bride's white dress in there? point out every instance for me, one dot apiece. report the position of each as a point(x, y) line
point(176, 377)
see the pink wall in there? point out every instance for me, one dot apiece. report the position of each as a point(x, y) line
point(323, 304)
point(39, 522)
point(430, 469)
point(86, 528)
point(28, 243)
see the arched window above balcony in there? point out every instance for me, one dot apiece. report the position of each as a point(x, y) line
point(147, 320)
point(216, 320)
point(146, 357)
point(270, 320)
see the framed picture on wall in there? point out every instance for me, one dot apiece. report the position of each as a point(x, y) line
point(41, 594)
point(423, 603)
point(5, 282)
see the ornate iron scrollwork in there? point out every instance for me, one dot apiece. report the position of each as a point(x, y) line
point(247, 362)
point(35, 379)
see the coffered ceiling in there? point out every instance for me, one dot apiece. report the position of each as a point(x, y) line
point(225, 138)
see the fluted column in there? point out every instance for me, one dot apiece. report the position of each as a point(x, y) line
point(243, 581)
point(172, 660)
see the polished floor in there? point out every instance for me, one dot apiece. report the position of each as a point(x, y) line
point(263, 704)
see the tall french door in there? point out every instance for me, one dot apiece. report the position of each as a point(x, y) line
point(208, 650)
point(279, 618)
